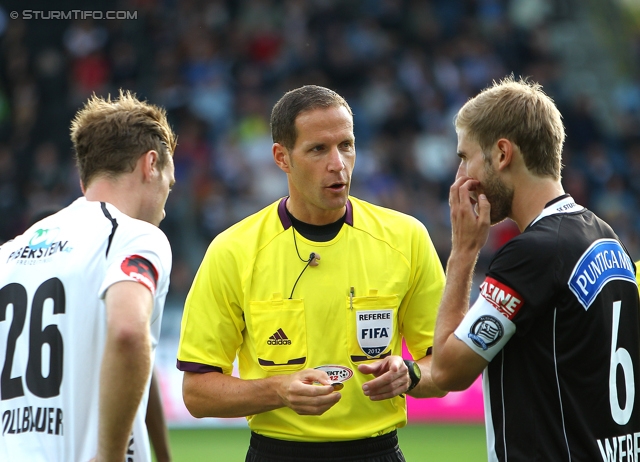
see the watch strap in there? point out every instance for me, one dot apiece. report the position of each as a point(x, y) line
point(415, 379)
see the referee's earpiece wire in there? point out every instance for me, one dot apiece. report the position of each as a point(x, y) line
point(312, 257)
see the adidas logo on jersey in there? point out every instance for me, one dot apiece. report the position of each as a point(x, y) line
point(279, 338)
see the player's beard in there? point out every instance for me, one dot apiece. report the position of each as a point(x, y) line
point(499, 195)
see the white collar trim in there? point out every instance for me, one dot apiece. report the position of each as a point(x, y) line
point(566, 205)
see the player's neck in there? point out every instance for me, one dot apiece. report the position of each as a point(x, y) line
point(117, 192)
point(530, 199)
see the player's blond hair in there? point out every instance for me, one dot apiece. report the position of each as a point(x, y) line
point(110, 135)
point(521, 112)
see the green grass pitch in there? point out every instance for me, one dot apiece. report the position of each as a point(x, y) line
point(420, 443)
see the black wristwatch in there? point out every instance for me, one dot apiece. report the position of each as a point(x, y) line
point(414, 373)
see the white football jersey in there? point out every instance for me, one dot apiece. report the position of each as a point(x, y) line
point(53, 280)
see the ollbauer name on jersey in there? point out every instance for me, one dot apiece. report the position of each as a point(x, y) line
point(29, 419)
point(620, 448)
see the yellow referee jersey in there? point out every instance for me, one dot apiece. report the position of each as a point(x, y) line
point(378, 280)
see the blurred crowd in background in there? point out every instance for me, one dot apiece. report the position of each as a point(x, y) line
point(404, 66)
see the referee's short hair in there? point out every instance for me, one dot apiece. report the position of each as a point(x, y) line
point(521, 112)
point(293, 103)
point(110, 135)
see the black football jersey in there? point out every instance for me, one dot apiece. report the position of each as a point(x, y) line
point(558, 319)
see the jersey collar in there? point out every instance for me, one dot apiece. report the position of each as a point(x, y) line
point(286, 221)
point(561, 204)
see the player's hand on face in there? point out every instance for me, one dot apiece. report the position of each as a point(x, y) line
point(470, 214)
point(391, 378)
point(308, 392)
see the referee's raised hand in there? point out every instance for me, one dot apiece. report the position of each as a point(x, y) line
point(391, 378)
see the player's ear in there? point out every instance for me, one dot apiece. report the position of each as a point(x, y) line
point(281, 157)
point(148, 164)
point(505, 153)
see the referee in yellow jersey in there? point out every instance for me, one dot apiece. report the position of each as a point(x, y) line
point(313, 295)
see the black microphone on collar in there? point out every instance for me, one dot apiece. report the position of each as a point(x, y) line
point(314, 259)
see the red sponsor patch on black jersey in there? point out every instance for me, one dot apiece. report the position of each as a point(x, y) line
point(141, 269)
point(506, 300)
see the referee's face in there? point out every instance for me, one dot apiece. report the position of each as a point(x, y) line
point(320, 164)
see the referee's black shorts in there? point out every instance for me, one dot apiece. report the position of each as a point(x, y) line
point(378, 449)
